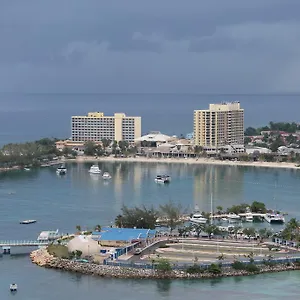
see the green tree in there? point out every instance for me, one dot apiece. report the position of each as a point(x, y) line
point(250, 232)
point(78, 228)
point(105, 143)
point(258, 207)
point(119, 221)
point(139, 217)
point(219, 209)
point(89, 148)
point(66, 151)
point(250, 131)
point(78, 253)
point(247, 140)
point(98, 228)
point(163, 265)
point(276, 144)
point(172, 212)
point(236, 230)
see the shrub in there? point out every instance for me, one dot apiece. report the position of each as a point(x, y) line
point(252, 268)
point(164, 246)
point(214, 269)
point(195, 269)
point(297, 263)
point(238, 265)
point(163, 265)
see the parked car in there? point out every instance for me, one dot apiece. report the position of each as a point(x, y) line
point(138, 251)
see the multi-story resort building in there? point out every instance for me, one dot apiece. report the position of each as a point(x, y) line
point(222, 124)
point(95, 127)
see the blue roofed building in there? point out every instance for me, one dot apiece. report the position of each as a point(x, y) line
point(112, 236)
point(125, 240)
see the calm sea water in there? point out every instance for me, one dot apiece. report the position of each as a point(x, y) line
point(79, 198)
point(26, 117)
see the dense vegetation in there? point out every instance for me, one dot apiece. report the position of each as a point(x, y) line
point(30, 153)
point(273, 126)
point(144, 217)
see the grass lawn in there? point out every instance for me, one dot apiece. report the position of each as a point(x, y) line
point(60, 251)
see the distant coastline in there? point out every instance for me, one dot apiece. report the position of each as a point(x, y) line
point(191, 161)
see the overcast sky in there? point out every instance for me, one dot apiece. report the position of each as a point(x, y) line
point(197, 46)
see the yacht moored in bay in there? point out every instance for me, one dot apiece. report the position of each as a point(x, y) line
point(94, 169)
point(61, 170)
point(197, 218)
point(106, 175)
point(162, 179)
point(274, 218)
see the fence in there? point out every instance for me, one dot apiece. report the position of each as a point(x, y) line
point(183, 266)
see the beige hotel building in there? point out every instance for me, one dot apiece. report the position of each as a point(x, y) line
point(95, 127)
point(222, 124)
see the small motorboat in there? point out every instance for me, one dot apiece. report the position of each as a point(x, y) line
point(13, 287)
point(106, 175)
point(61, 170)
point(94, 169)
point(162, 179)
point(26, 169)
point(28, 222)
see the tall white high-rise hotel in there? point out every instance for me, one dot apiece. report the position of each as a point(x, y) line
point(222, 124)
point(95, 127)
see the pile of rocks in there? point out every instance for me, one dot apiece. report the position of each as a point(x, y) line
point(41, 257)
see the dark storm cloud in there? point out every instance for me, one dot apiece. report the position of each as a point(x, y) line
point(150, 46)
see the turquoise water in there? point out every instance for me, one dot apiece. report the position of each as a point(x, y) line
point(79, 198)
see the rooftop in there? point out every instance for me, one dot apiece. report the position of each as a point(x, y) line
point(124, 234)
point(154, 136)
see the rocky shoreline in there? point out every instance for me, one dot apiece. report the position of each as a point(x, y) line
point(42, 258)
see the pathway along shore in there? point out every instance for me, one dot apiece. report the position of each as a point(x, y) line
point(200, 161)
point(42, 258)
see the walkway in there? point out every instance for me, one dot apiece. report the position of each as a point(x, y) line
point(23, 243)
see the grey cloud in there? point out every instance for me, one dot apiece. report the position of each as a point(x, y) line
point(150, 46)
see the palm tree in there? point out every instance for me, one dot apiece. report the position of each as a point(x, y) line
point(219, 209)
point(198, 229)
point(119, 221)
point(98, 228)
point(236, 229)
point(78, 228)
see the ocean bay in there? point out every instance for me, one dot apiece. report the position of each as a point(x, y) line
point(85, 199)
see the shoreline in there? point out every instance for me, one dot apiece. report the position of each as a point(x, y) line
point(190, 161)
point(42, 258)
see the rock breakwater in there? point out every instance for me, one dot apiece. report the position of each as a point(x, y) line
point(42, 258)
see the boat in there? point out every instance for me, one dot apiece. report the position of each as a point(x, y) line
point(274, 218)
point(61, 170)
point(162, 179)
point(106, 175)
point(13, 287)
point(28, 222)
point(94, 169)
point(232, 217)
point(197, 218)
point(249, 217)
point(26, 169)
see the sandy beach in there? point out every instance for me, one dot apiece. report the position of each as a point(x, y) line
point(199, 161)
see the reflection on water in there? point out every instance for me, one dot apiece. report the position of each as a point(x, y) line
point(219, 184)
point(164, 286)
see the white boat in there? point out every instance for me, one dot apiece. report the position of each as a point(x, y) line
point(232, 217)
point(274, 218)
point(94, 169)
point(249, 217)
point(106, 175)
point(26, 169)
point(28, 222)
point(13, 287)
point(162, 179)
point(61, 170)
point(197, 218)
